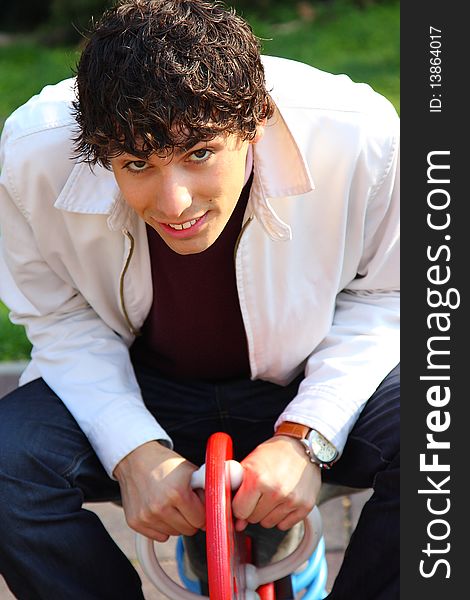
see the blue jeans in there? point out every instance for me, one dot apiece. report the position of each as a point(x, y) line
point(52, 548)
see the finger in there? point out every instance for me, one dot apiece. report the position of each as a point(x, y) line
point(156, 536)
point(175, 523)
point(201, 494)
point(167, 521)
point(269, 514)
point(195, 511)
point(266, 505)
point(150, 532)
point(240, 524)
point(276, 516)
point(177, 526)
point(244, 502)
point(168, 524)
point(184, 511)
point(292, 519)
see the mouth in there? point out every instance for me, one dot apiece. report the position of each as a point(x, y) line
point(184, 229)
point(185, 225)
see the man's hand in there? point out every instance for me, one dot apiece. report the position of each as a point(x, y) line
point(156, 493)
point(280, 485)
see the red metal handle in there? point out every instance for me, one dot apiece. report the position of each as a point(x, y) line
point(223, 552)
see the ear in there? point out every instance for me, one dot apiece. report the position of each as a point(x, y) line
point(259, 131)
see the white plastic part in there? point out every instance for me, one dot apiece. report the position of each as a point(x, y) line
point(235, 472)
point(198, 478)
point(151, 567)
point(255, 576)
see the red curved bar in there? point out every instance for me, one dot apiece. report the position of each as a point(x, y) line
point(267, 591)
point(221, 546)
point(227, 551)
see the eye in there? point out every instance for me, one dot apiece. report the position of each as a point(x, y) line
point(136, 166)
point(200, 155)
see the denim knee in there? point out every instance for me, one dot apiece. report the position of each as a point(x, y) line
point(39, 439)
point(16, 437)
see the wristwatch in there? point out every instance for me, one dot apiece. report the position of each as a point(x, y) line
point(318, 448)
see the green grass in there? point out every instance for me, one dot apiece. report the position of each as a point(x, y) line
point(26, 67)
point(13, 342)
point(363, 43)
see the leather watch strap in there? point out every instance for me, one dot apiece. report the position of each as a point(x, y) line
point(295, 430)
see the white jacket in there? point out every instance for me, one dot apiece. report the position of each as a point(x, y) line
point(316, 264)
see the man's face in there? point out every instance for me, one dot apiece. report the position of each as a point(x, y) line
point(189, 197)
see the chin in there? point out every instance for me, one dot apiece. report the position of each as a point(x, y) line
point(188, 247)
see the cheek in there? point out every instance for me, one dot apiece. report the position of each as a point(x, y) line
point(227, 184)
point(135, 195)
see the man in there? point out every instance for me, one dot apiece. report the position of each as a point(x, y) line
point(196, 240)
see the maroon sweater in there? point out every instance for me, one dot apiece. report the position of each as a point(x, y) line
point(195, 327)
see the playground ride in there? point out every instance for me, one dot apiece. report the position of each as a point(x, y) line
point(231, 575)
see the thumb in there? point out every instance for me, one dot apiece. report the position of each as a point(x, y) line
point(245, 501)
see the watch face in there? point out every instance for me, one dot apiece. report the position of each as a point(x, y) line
point(321, 447)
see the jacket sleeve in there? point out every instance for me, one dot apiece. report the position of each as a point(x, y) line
point(362, 346)
point(81, 359)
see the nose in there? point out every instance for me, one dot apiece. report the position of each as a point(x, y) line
point(173, 198)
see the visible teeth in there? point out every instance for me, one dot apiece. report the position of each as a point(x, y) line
point(186, 225)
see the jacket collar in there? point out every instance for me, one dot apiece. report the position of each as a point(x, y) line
point(280, 165)
point(280, 170)
point(95, 192)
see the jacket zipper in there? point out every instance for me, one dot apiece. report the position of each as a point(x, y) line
point(121, 282)
point(242, 231)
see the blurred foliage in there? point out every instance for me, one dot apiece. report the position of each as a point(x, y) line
point(14, 344)
point(54, 21)
point(63, 21)
point(69, 19)
point(339, 38)
point(261, 7)
point(26, 67)
point(22, 16)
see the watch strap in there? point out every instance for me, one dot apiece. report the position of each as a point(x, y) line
point(301, 432)
point(295, 430)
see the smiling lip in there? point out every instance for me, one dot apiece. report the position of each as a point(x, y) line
point(184, 229)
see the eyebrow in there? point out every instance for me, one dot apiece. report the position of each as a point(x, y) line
point(178, 150)
point(191, 142)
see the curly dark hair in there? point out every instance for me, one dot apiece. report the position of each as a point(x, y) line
point(156, 75)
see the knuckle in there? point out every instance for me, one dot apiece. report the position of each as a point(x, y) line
point(285, 525)
point(308, 506)
point(133, 522)
point(305, 505)
point(174, 497)
point(255, 479)
point(275, 491)
point(252, 519)
point(267, 523)
point(291, 500)
point(154, 510)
